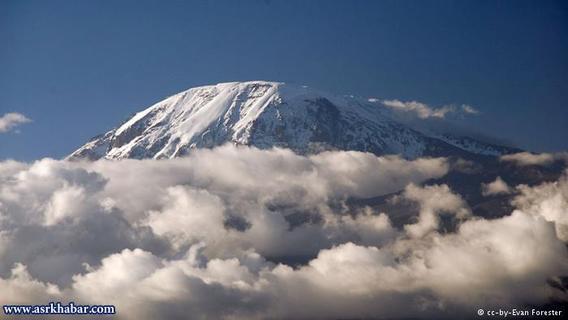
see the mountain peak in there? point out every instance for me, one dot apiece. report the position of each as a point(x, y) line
point(266, 114)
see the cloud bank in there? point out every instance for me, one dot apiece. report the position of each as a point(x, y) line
point(11, 120)
point(242, 233)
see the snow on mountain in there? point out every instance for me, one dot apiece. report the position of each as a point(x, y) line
point(474, 146)
point(267, 114)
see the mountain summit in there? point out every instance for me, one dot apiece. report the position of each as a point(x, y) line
point(270, 114)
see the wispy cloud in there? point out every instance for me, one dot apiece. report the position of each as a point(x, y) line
point(424, 111)
point(11, 120)
point(532, 159)
point(469, 109)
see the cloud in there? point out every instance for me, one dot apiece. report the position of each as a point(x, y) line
point(548, 200)
point(469, 109)
point(433, 201)
point(21, 288)
point(242, 233)
point(496, 187)
point(167, 205)
point(423, 111)
point(492, 263)
point(11, 120)
point(530, 159)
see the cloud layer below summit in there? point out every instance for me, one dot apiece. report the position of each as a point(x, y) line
point(203, 236)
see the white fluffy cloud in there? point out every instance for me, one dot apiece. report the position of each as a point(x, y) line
point(433, 201)
point(11, 120)
point(242, 233)
point(548, 200)
point(499, 263)
point(161, 206)
point(424, 111)
point(498, 186)
point(529, 159)
point(20, 288)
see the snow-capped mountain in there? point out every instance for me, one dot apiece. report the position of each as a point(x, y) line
point(266, 114)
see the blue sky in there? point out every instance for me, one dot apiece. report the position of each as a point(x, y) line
point(78, 68)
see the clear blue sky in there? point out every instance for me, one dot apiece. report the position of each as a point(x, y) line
point(78, 68)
